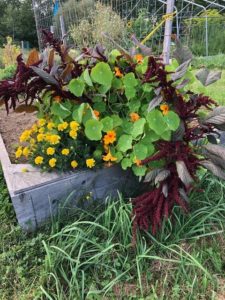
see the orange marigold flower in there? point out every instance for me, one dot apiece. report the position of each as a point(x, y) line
point(165, 109)
point(96, 113)
point(134, 117)
point(139, 58)
point(118, 73)
point(110, 137)
point(109, 157)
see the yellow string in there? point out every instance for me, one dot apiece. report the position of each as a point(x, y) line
point(164, 19)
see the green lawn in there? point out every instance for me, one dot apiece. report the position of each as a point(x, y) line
point(91, 257)
point(216, 91)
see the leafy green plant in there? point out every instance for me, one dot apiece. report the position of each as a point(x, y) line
point(196, 29)
point(7, 72)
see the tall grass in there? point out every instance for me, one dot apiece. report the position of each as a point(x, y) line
point(93, 258)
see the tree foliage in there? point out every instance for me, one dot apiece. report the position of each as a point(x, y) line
point(17, 21)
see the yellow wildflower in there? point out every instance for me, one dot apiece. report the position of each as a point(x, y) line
point(52, 162)
point(164, 108)
point(134, 117)
point(65, 151)
point(40, 137)
point(41, 122)
point(110, 137)
point(73, 134)
point(19, 152)
point(90, 162)
point(62, 126)
point(74, 125)
point(50, 125)
point(38, 160)
point(25, 136)
point(54, 139)
point(74, 164)
point(32, 142)
point(41, 130)
point(109, 157)
point(50, 151)
point(26, 151)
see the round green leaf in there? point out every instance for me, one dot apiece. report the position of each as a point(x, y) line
point(100, 106)
point(172, 120)
point(117, 121)
point(139, 170)
point(78, 112)
point(140, 151)
point(129, 80)
point(60, 110)
point(156, 121)
point(76, 87)
point(87, 77)
point(166, 135)
point(107, 124)
point(93, 130)
point(124, 143)
point(138, 127)
point(126, 163)
point(102, 74)
point(127, 126)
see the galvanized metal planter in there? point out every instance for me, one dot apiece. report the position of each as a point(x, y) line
point(37, 196)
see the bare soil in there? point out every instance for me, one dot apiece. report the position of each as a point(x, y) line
point(11, 127)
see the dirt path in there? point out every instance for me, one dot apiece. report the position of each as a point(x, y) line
point(11, 127)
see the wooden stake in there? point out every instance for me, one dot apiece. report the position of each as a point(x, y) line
point(168, 32)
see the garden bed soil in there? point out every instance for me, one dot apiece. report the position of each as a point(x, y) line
point(11, 127)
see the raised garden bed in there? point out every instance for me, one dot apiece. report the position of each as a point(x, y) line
point(37, 196)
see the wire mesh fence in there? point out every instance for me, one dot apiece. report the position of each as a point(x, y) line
point(199, 26)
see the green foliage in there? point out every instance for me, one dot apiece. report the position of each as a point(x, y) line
point(196, 29)
point(7, 72)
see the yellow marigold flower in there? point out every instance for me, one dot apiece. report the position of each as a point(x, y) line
point(65, 151)
point(52, 162)
point(34, 128)
point(74, 125)
point(90, 162)
point(32, 142)
point(40, 137)
point(50, 125)
point(118, 73)
point(74, 164)
point(19, 152)
point(109, 157)
point(134, 117)
point(41, 130)
point(96, 113)
point(39, 160)
point(50, 151)
point(110, 137)
point(139, 58)
point(26, 151)
point(25, 136)
point(54, 139)
point(164, 108)
point(41, 122)
point(62, 126)
point(73, 134)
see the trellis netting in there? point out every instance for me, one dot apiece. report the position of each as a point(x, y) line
point(199, 24)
